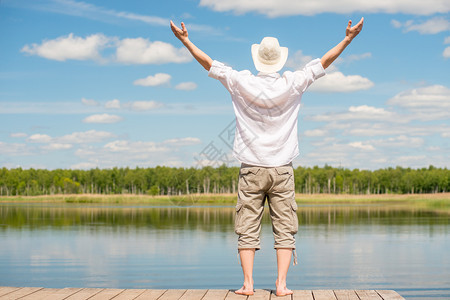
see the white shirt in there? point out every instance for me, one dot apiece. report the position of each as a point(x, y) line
point(266, 108)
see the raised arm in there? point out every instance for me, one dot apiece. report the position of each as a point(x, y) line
point(350, 34)
point(198, 54)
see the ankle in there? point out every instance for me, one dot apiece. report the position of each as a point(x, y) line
point(280, 282)
point(248, 283)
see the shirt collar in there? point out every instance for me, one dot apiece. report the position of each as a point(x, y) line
point(274, 75)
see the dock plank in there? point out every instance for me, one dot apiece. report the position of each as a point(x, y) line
point(129, 294)
point(273, 295)
point(233, 296)
point(215, 295)
point(368, 295)
point(389, 295)
point(20, 293)
point(261, 294)
point(302, 295)
point(172, 295)
point(193, 295)
point(346, 295)
point(150, 295)
point(323, 295)
point(62, 293)
point(41, 294)
point(7, 289)
point(106, 294)
point(84, 294)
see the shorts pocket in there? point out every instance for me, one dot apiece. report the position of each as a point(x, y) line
point(285, 177)
point(249, 170)
point(238, 218)
point(248, 178)
point(284, 170)
point(294, 216)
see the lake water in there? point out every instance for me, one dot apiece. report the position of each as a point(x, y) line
point(125, 246)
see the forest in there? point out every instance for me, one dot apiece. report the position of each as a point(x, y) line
point(163, 180)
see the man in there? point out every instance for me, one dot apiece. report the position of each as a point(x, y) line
point(266, 108)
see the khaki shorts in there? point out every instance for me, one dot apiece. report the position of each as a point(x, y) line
point(276, 184)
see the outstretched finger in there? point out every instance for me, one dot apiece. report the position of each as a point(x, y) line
point(360, 23)
point(349, 24)
point(183, 26)
point(173, 26)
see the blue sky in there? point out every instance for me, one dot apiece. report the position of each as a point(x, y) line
point(105, 83)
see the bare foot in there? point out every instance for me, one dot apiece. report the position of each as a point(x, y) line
point(246, 290)
point(282, 290)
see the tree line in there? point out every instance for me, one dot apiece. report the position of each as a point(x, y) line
point(163, 180)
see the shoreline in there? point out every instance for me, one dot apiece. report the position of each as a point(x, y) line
point(225, 198)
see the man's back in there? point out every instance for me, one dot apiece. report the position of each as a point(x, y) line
point(266, 108)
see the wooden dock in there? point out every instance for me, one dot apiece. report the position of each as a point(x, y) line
point(35, 293)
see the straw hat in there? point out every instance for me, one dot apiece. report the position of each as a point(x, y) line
point(268, 56)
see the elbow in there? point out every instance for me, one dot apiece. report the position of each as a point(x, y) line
point(207, 64)
point(325, 63)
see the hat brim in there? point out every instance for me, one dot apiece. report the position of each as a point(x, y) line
point(262, 67)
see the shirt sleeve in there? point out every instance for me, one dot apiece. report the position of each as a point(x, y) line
point(223, 73)
point(310, 73)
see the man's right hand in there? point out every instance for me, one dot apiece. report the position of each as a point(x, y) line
point(181, 34)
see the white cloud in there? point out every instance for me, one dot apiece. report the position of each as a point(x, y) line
point(363, 112)
point(90, 136)
point(431, 26)
point(401, 141)
point(89, 102)
point(14, 149)
point(113, 104)
point(435, 96)
point(447, 40)
point(298, 60)
point(39, 138)
point(276, 8)
point(434, 148)
point(143, 105)
point(368, 128)
point(353, 57)
point(134, 147)
point(143, 51)
point(315, 132)
point(187, 141)
point(412, 160)
point(102, 119)
point(98, 13)
point(371, 154)
point(338, 82)
point(394, 138)
point(57, 146)
point(446, 52)
point(128, 51)
point(132, 153)
point(362, 146)
point(186, 86)
point(157, 79)
point(66, 141)
point(18, 135)
point(70, 47)
point(83, 166)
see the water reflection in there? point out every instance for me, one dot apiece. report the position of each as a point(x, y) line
point(340, 247)
point(36, 216)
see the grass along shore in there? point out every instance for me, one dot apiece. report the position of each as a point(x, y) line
point(437, 201)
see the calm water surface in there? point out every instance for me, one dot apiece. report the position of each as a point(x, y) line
point(117, 246)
